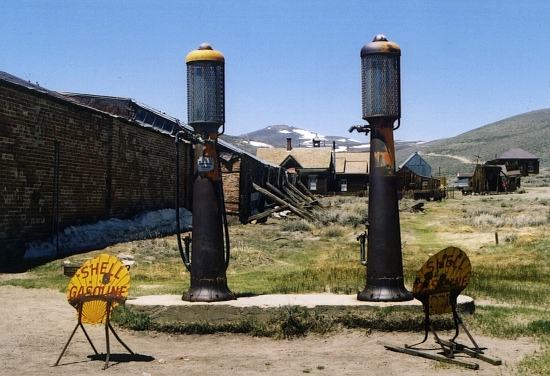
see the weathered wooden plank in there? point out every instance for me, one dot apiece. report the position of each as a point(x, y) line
point(280, 201)
point(303, 196)
point(296, 198)
point(457, 347)
point(308, 193)
point(267, 213)
point(282, 195)
point(439, 358)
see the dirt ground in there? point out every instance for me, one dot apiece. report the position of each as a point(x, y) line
point(36, 323)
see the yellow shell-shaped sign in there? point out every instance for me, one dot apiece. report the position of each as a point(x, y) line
point(98, 280)
point(449, 270)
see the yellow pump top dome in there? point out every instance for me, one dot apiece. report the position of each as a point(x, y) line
point(205, 52)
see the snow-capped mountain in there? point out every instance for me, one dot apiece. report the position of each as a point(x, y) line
point(276, 135)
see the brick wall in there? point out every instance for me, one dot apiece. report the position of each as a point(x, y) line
point(108, 167)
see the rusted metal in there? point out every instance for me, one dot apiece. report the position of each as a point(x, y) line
point(381, 100)
point(79, 304)
point(205, 108)
point(385, 266)
point(362, 238)
point(437, 285)
point(209, 256)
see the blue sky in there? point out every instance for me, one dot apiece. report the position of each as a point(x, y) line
point(464, 63)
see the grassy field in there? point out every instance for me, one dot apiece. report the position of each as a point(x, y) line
point(510, 281)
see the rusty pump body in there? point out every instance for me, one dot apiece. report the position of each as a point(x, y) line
point(381, 100)
point(210, 240)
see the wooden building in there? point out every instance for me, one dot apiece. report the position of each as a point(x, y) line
point(415, 179)
point(494, 179)
point(314, 167)
point(352, 172)
point(417, 165)
point(518, 159)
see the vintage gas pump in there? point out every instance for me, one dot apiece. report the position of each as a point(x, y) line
point(381, 98)
point(209, 258)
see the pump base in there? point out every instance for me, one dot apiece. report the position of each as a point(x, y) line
point(385, 290)
point(209, 290)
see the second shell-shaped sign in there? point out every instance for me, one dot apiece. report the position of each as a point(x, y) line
point(441, 279)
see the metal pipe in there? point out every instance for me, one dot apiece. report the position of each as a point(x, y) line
point(210, 255)
point(385, 265)
point(184, 255)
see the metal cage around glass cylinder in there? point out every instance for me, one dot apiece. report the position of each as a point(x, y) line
point(205, 87)
point(380, 79)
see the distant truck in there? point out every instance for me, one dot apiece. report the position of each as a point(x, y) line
point(463, 183)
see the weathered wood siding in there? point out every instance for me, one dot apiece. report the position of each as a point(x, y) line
point(231, 187)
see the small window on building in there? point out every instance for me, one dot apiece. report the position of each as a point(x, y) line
point(530, 167)
point(140, 115)
point(149, 118)
point(312, 182)
point(343, 185)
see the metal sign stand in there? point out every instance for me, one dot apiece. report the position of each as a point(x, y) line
point(449, 348)
point(438, 285)
point(79, 304)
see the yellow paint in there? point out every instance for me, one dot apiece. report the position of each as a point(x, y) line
point(103, 276)
point(204, 55)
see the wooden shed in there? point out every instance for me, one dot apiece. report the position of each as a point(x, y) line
point(415, 179)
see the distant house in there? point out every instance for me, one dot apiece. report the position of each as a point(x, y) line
point(517, 159)
point(314, 167)
point(415, 179)
point(416, 164)
point(352, 172)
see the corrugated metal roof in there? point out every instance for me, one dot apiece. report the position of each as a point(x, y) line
point(516, 153)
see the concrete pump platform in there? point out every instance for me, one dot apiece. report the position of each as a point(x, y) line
point(171, 309)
